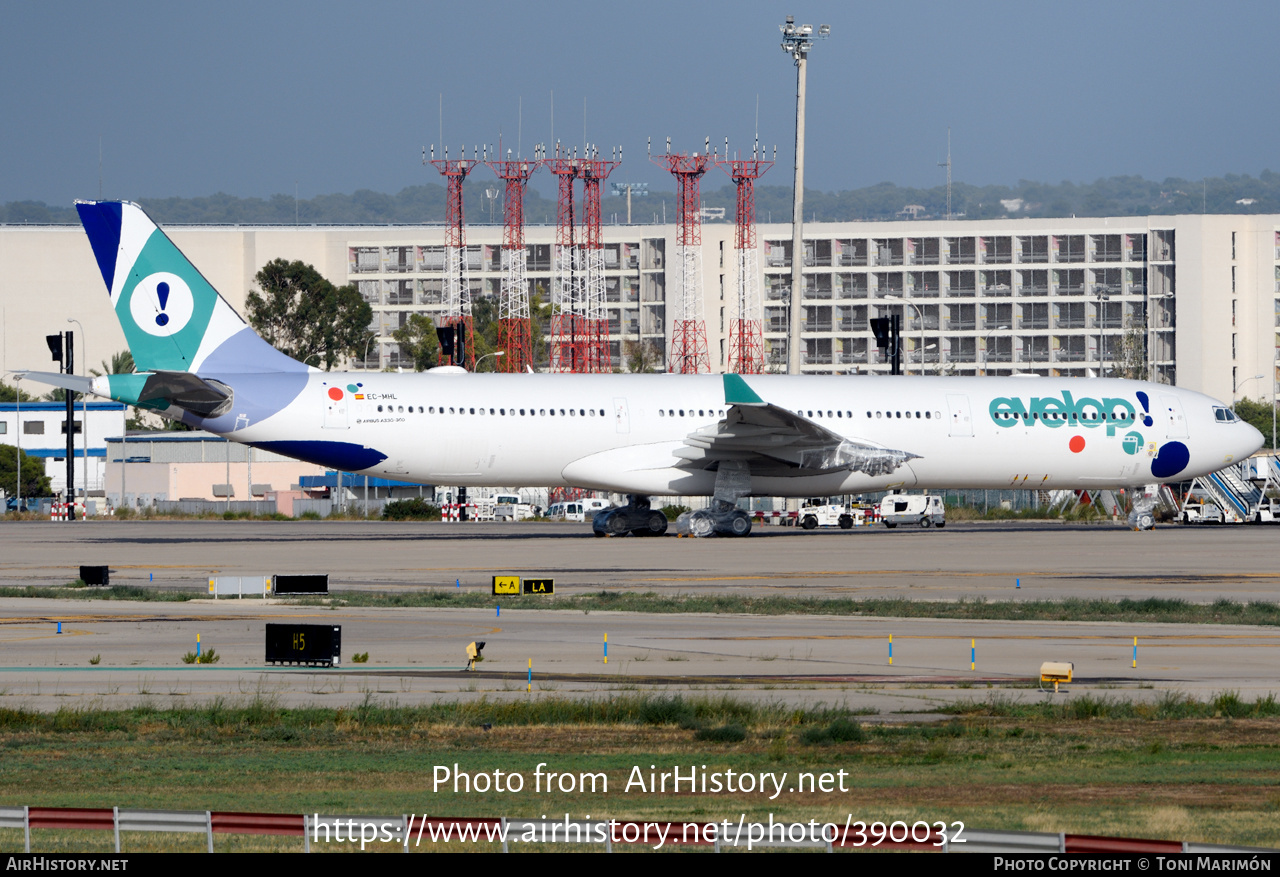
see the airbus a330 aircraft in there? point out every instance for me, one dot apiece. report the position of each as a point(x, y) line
point(724, 436)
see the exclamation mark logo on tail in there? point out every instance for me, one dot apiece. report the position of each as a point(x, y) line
point(161, 304)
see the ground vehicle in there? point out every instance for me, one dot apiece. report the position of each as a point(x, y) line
point(508, 507)
point(566, 511)
point(820, 513)
point(1267, 512)
point(1201, 513)
point(903, 508)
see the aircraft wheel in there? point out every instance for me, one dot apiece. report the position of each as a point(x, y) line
point(740, 524)
point(655, 525)
point(1146, 522)
point(925, 523)
point(617, 524)
point(701, 524)
point(846, 522)
point(810, 522)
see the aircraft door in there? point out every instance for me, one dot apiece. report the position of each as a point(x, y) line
point(1175, 418)
point(621, 416)
point(337, 408)
point(961, 419)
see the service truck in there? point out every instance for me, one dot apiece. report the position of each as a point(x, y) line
point(909, 508)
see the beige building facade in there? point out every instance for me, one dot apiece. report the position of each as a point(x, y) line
point(1192, 300)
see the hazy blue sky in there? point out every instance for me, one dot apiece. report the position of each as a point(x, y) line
point(249, 98)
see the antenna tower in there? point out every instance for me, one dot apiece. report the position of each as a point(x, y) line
point(515, 335)
point(746, 335)
point(688, 353)
point(593, 171)
point(568, 327)
point(457, 292)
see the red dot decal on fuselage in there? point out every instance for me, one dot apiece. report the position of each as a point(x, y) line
point(1076, 444)
point(335, 394)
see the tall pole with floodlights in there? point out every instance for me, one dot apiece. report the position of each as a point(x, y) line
point(797, 40)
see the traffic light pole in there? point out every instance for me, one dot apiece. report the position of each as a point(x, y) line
point(61, 346)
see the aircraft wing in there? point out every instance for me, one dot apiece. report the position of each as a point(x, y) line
point(777, 442)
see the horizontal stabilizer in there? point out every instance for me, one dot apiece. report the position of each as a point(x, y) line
point(75, 383)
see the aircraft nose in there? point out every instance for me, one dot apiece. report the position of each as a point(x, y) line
point(1250, 440)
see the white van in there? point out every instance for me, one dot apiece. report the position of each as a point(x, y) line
point(566, 511)
point(904, 508)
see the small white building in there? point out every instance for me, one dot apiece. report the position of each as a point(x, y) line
point(40, 429)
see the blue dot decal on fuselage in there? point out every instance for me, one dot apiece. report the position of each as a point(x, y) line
point(1171, 460)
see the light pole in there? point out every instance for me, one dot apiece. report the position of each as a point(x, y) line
point(17, 429)
point(84, 424)
point(495, 355)
point(797, 40)
point(364, 362)
point(920, 316)
point(1235, 391)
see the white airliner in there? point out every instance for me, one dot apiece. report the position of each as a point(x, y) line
point(725, 436)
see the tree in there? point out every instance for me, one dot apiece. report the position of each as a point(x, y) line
point(13, 394)
point(1258, 414)
point(417, 340)
point(34, 481)
point(641, 356)
point(305, 316)
point(137, 419)
point(1131, 357)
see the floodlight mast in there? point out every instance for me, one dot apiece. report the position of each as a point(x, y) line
point(797, 40)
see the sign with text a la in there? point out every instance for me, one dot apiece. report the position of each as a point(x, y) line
point(506, 584)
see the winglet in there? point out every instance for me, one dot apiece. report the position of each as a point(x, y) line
point(736, 392)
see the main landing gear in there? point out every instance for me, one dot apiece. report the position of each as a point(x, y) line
point(636, 518)
point(718, 520)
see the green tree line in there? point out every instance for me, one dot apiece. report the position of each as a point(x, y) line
point(1111, 196)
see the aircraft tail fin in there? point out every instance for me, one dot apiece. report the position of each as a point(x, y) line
point(173, 318)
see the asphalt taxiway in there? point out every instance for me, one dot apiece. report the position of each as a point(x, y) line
point(416, 654)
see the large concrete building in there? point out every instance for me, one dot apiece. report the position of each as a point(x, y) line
point(1192, 300)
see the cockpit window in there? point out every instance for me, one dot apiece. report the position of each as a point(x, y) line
point(1224, 415)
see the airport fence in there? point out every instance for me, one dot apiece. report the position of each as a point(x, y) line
point(411, 831)
point(214, 507)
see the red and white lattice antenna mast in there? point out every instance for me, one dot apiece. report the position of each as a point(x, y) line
point(746, 331)
point(515, 333)
point(593, 171)
point(568, 329)
point(457, 292)
point(688, 354)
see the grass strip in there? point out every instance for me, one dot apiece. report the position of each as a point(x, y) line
point(1150, 610)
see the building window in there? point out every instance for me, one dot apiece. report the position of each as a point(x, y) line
point(33, 427)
